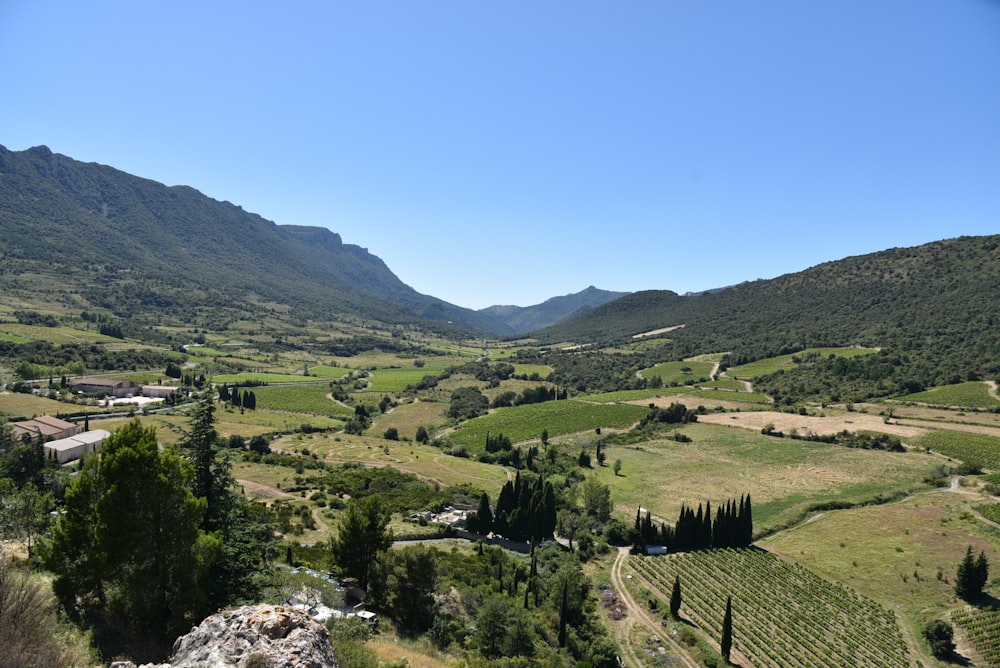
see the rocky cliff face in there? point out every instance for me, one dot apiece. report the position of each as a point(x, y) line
point(256, 636)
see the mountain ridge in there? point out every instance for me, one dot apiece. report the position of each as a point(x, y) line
point(173, 244)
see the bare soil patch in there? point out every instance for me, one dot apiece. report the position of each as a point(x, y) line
point(809, 425)
point(654, 332)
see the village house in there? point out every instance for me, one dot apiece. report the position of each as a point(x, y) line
point(44, 427)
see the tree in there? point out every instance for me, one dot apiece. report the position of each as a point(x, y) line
point(235, 575)
point(675, 598)
point(545, 436)
point(128, 548)
point(483, 523)
point(491, 626)
point(391, 434)
point(941, 637)
point(971, 576)
point(410, 584)
point(363, 536)
point(596, 498)
point(24, 513)
point(617, 466)
point(726, 645)
point(422, 435)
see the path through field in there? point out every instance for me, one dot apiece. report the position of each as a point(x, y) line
point(637, 614)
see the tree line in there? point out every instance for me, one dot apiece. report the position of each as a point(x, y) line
point(732, 526)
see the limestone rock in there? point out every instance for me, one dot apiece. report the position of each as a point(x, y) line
point(255, 636)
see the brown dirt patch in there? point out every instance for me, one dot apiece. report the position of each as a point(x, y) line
point(807, 425)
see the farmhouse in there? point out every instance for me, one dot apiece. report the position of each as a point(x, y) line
point(44, 427)
point(75, 447)
point(111, 386)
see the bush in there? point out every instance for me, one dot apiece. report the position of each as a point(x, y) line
point(941, 637)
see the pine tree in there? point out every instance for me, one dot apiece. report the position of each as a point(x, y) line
point(675, 598)
point(982, 572)
point(727, 630)
point(966, 577)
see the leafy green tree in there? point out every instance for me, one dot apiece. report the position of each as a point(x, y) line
point(128, 548)
point(617, 466)
point(24, 513)
point(726, 644)
point(362, 538)
point(422, 435)
point(491, 626)
point(596, 497)
point(410, 582)
point(941, 637)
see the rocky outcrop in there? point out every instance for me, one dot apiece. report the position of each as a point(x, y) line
point(255, 636)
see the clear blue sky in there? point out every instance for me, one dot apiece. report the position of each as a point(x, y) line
point(508, 152)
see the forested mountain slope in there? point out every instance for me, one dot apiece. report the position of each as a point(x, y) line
point(933, 309)
point(133, 245)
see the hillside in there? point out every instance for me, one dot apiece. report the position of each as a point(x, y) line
point(98, 238)
point(926, 307)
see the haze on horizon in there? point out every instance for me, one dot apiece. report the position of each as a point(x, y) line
point(509, 154)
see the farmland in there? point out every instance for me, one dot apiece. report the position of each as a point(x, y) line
point(979, 450)
point(524, 423)
point(773, 364)
point(784, 477)
point(783, 613)
point(312, 399)
point(977, 394)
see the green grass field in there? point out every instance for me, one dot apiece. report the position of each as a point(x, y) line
point(260, 377)
point(784, 477)
point(523, 423)
point(674, 372)
point(903, 554)
point(391, 381)
point(773, 364)
point(542, 370)
point(973, 394)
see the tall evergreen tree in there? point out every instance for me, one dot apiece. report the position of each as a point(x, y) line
point(726, 645)
point(675, 598)
point(966, 577)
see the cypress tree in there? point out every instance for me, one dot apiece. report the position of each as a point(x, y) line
point(966, 577)
point(982, 572)
point(727, 630)
point(675, 598)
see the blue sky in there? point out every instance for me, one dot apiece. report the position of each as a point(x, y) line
point(508, 152)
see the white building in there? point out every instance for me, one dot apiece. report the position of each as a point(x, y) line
point(75, 447)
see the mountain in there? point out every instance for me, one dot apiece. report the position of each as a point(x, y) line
point(931, 309)
point(523, 319)
point(93, 237)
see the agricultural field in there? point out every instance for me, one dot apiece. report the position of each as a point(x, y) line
point(980, 450)
point(524, 423)
point(982, 628)
point(529, 370)
point(259, 377)
point(395, 380)
point(56, 335)
point(679, 372)
point(632, 395)
point(406, 418)
point(310, 399)
point(784, 477)
point(424, 461)
point(903, 554)
point(773, 364)
point(327, 371)
point(783, 614)
point(973, 394)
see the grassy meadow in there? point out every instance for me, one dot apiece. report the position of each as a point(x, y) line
point(784, 477)
point(774, 364)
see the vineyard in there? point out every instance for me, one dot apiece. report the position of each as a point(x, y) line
point(973, 449)
point(310, 399)
point(783, 614)
point(522, 423)
point(972, 394)
point(982, 627)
